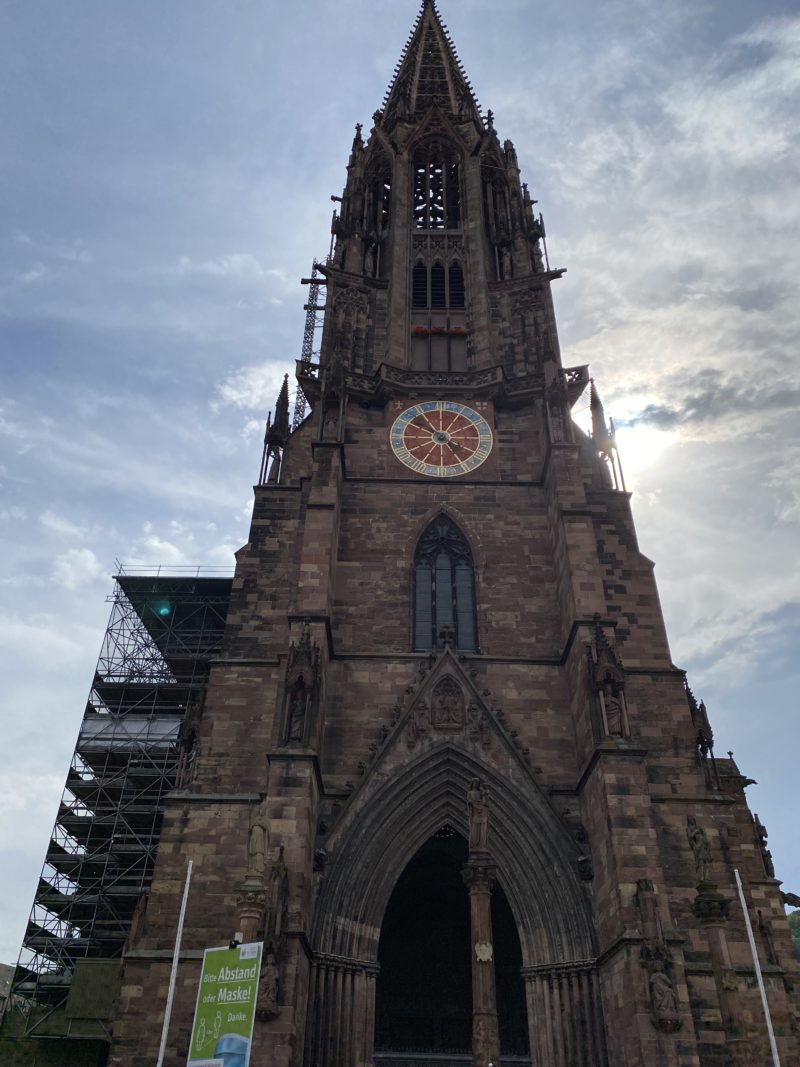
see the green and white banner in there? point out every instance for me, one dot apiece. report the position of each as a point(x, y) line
point(226, 1007)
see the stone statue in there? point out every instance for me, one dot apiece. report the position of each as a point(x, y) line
point(276, 896)
point(662, 994)
point(267, 1004)
point(700, 847)
point(613, 708)
point(298, 702)
point(257, 846)
point(505, 255)
point(478, 811)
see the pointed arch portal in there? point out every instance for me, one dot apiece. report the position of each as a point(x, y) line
point(424, 988)
point(381, 846)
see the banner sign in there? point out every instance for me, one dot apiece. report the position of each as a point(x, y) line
point(226, 1007)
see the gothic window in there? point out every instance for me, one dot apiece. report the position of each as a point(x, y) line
point(437, 188)
point(419, 286)
point(438, 298)
point(438, 340)
point(456, 286)
point(444, 588)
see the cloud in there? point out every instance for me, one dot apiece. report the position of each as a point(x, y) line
point(32, 274)
point(234, 265)
point(253, 388)
point(15, 513)
point(77, 568)
point(709, 396)
point(57, 524)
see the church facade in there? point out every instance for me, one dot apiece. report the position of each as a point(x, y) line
point(444, 766)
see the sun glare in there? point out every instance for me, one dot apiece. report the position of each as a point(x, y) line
point(639, 448)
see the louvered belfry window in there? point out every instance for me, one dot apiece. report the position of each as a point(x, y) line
point(444, 588)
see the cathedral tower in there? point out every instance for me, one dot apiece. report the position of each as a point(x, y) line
point(445, 767)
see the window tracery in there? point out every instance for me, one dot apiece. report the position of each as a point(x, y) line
point(436, 195)
point(444, 588)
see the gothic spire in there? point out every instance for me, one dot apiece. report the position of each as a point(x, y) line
point(281, 426)
point(429, 72)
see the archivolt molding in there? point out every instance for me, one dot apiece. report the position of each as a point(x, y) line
point(403, 802)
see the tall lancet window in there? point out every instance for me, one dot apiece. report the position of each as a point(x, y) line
point(444, 588)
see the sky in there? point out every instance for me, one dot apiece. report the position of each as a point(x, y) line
point(166, 183)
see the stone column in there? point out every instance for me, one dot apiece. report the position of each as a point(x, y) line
point(479, 876)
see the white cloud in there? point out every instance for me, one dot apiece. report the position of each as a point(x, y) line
point(15, 513)
point(233, 265)
point(77, 568)
point(31, 274)
point(253, 388)
point(57, 524)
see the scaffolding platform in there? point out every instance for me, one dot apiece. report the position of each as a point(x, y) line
point(152, 673)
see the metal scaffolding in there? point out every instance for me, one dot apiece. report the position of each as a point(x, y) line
point(315, 317)
point(152, 673)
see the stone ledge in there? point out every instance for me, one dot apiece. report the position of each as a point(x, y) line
point(216, 798)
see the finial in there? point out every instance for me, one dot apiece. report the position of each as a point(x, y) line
point(490, 119)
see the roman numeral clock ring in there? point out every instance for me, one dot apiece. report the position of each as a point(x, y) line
point(440, 438)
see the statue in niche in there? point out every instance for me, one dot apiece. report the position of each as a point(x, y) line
point(701, 849)
point(276, 897)
point(370, 254)
point(298, 705)
point(330, 428)
point(447, 705)
point(613, 706)
point(505, 261)
point(662, 994)
point(257, 846)
point(185, 772)
point(267, 1003)
point(478, 813)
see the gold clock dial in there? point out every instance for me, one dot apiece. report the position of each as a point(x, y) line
point(441, 438)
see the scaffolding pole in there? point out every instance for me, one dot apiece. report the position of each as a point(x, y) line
point(173, 974)
point(764, 1003)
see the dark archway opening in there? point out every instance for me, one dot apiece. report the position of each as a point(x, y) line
point(424, 990)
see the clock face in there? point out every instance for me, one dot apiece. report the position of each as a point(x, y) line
point(441, 438)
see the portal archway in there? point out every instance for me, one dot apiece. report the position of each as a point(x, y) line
point(387, 824)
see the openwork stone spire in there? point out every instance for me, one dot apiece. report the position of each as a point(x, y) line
point(428, 73)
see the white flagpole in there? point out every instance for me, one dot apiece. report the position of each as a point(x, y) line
point(174, 972)
point(775, 1059)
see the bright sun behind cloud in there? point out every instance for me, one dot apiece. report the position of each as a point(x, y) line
point(640, 447)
